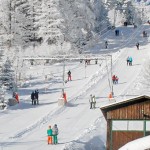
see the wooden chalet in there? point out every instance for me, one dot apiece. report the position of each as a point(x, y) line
point(126, 121)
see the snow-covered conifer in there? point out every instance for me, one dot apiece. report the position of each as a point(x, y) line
point(7, 75)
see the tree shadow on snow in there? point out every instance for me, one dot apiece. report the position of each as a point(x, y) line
point(77, 79)
point(93, 144)
point(136, 64)
point(101, 97)
point(121, 83)
point(7, 144)
point(28, 105)
point(68, 104)
point(41, 104)
point(134, 95)
point(49, 91)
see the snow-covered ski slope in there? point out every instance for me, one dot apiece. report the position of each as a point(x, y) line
point(24, 126)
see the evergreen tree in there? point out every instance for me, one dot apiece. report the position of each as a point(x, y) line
point(50, 22)
point(7, 75)
point(24, 24)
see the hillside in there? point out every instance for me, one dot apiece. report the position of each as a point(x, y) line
point(79, 127)
point(24, 126)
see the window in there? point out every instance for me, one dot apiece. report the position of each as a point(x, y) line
point(127, 125)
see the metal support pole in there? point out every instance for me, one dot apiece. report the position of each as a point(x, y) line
point(144, 126)
point(63, 76)
point(111, 124)
point(142, 15)
point(112, 90)
point(114, 16)
point(85, 70)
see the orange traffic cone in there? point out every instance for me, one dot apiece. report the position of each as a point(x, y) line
point(65, 97)
point(110, 96)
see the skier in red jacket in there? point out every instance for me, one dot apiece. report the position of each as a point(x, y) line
point(114, 79)
point(17, 97)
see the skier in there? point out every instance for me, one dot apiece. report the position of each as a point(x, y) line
point(32, 97)
point(17, 97)
point(116, 32)
point(144, 34)
point(94, 101)
point(14, 94)
point(81, 60)
point(69, 75)
point(106, 44)
point(113, 79)
point(137, 45)
point(128, 60)
point(117, 80)
point(91, 101)
point(55, 133)
point(49, 134)
point(88, 61)
point(96, 61)
point(36, 94)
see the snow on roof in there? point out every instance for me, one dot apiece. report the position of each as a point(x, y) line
point(124, 101)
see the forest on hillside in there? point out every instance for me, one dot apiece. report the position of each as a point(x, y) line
point(66, 24)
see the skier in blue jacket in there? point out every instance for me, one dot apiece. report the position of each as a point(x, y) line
point(130, 61)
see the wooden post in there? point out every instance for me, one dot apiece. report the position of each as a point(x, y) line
point(111, 146)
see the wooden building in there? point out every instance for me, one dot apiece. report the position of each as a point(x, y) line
point(126, 121)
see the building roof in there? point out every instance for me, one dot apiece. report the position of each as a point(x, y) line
point(125, 103)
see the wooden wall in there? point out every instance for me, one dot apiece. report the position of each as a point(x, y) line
point(130, 112)
point(121, 138)
point(133, 111)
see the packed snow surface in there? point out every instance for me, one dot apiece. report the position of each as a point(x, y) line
point(24, 126)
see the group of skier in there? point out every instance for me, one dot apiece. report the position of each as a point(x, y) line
point(115, 79)
point(87, 61)
point(52, 135)
point(35, 97)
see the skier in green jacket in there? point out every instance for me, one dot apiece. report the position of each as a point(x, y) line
point(49, 134)
point(55, 133)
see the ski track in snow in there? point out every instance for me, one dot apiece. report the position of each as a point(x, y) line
point(92, 81)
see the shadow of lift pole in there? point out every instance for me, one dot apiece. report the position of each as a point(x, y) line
point(63, 88)
point(111, 95)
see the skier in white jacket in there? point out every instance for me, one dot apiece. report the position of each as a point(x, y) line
point(93, 101)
